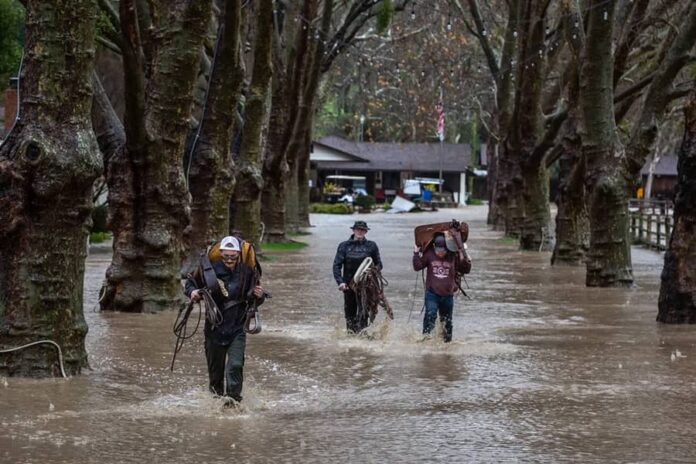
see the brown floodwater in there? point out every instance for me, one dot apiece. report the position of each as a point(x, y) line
point(541, 369)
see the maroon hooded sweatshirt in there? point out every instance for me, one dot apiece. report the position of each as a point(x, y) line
point(440, 277)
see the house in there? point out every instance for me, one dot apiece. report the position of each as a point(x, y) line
point(664, 177)
point(385, 166)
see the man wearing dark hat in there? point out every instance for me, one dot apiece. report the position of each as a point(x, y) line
point(440, 282)
point(349, 256)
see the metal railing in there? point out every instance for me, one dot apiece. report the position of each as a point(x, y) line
point(652, 222)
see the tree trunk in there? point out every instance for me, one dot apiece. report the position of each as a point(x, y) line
point(508, 190)
point(572, 222)
point(292, 221)
point(609, 257)
point(210, 179)
point(275, 172)
point(48, 165)
point(148, 198)
point(495, 217)
point(247, 195)
point(531, 216)
point(300, 139)
point(535, 233)
point(303, 181)
point(677, 302)
point(279, 197)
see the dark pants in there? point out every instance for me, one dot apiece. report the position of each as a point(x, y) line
point(443, 305)
point(356, 320)
point(226, 362)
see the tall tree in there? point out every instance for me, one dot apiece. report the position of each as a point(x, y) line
point(247, 194)
point(609, 256)
point(148, 199)
point(677, 302)
point(47, 167)
point(211, 179)
point(292, 72)
point(529, 127)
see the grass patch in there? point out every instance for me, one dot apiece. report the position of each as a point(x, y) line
point(330, 208)
point(475, 201)
point(99, 237)
point(509, 240)
point(283, 247)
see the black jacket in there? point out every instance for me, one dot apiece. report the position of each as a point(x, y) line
point(239, 283)
point(350, 254)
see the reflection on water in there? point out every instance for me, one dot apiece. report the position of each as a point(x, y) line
point(541, 369)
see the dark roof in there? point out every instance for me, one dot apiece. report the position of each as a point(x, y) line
point(667, 166)
point(396, 156)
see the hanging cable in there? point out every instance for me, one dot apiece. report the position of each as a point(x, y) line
point(41, 342)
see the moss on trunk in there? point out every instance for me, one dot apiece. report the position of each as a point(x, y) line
point(47, 168)
point(247, 195)
point(148, 198)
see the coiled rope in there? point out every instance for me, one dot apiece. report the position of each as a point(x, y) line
point(370, 292)
point(212, 313)
point(41, 342)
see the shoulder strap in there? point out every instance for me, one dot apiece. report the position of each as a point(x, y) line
point(209, 277)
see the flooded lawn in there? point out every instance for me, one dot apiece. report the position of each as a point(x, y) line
point(541, 369)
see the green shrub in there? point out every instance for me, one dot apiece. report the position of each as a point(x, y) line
point(330, 208)
point(365, 201)
point(99, 237)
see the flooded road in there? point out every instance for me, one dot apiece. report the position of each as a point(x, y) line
point(541, 369)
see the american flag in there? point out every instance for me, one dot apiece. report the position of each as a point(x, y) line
point(440, 118)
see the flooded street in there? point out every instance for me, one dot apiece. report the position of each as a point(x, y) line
point(541, 369)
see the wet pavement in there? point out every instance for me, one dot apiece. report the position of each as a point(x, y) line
point(541, 369)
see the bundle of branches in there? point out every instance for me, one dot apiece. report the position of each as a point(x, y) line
point(369, 290)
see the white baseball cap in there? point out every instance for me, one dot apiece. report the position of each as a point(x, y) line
point(230, 243)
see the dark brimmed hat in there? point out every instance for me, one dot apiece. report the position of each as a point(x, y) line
point(439, 243)
point(360, 225)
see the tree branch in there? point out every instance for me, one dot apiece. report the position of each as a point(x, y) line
point(483, 38)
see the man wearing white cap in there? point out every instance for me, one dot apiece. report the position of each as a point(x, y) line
point(225, 341)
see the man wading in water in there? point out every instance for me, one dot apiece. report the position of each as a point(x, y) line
point(440, 283)
point(236, 272)
point(349, 256)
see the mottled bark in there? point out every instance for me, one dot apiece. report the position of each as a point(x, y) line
point(47, 168)
point(528, 204)
point(535, 231)
point(247, 194)
point(572, 221)
point(609, 257)
point(677, 301)
point(275, 168)
point(495, 217)
point(148, 199)
point(288, 72)
point(300, 139)
point(211, 181)
point(303, 181)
